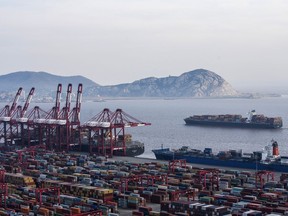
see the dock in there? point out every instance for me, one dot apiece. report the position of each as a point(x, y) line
point(57, 183)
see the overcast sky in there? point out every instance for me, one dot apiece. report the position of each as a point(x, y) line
point(117, 41)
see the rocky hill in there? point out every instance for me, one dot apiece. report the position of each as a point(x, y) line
point(40, 80)
point(197, 83)
point(45, 83)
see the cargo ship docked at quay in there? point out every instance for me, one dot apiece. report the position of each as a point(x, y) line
point(267, 159)
point(134, 148)
point(252, 121)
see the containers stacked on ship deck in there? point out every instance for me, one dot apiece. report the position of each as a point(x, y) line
point(253, 120)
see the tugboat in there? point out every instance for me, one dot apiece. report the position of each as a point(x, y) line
point(252, 121)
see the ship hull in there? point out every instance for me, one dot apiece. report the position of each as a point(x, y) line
point(189, 121)
point(130, 152)
point(166, 154)
point(133, 149)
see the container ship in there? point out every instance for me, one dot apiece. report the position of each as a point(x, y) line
point(252, 121)
point(267, 159)
point(132, 148)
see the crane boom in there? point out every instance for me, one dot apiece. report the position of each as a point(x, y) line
point(68, 98)
point(14, 104)
point(64, 114)
point(75, 113)
point(57, 103)
point(79, 97)
point(27, 103)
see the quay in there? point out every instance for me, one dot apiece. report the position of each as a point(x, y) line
point(42, 182)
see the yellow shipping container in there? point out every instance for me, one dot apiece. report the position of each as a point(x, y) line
point(104, 191)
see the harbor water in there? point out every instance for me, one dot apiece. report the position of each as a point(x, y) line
point(168, 128)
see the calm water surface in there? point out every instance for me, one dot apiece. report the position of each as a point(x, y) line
point(168, 127)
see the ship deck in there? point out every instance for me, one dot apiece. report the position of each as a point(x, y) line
point(140, 159)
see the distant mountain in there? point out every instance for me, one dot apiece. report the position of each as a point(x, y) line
point(44, 83)
point(197, 83)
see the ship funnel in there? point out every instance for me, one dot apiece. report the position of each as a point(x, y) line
point(275, 148)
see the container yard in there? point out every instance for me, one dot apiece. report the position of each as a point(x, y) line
point(51, 164)
point(53, 183)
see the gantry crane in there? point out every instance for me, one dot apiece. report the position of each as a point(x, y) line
point(60, 129)
point(74, 121)
point(51, 122)
point(74, 115)
point(56, 129)
point(106, 131)
point(34, 130)
point(5, 117)
point(63, 131)
point(21, 120)
point(39, 123)
point(210, 176)
point(120, 121)
point(260, 179)
point(98, 128)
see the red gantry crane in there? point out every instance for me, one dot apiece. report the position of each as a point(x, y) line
point(42, 123)
point(120, 121)
point(33, 129)
point(51, 122)
point(21, 120)
point(106, 131)
point(98, 128)
point(58, 129)
point(61, 130)
point(73, 138)
point(5, 118)
point(63, 123)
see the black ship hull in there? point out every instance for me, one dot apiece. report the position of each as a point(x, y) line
point(131, 151)
point(190, 121)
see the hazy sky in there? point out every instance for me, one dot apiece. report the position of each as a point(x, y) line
point(117, 41)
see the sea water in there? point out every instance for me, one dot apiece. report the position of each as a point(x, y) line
point(168, 128)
